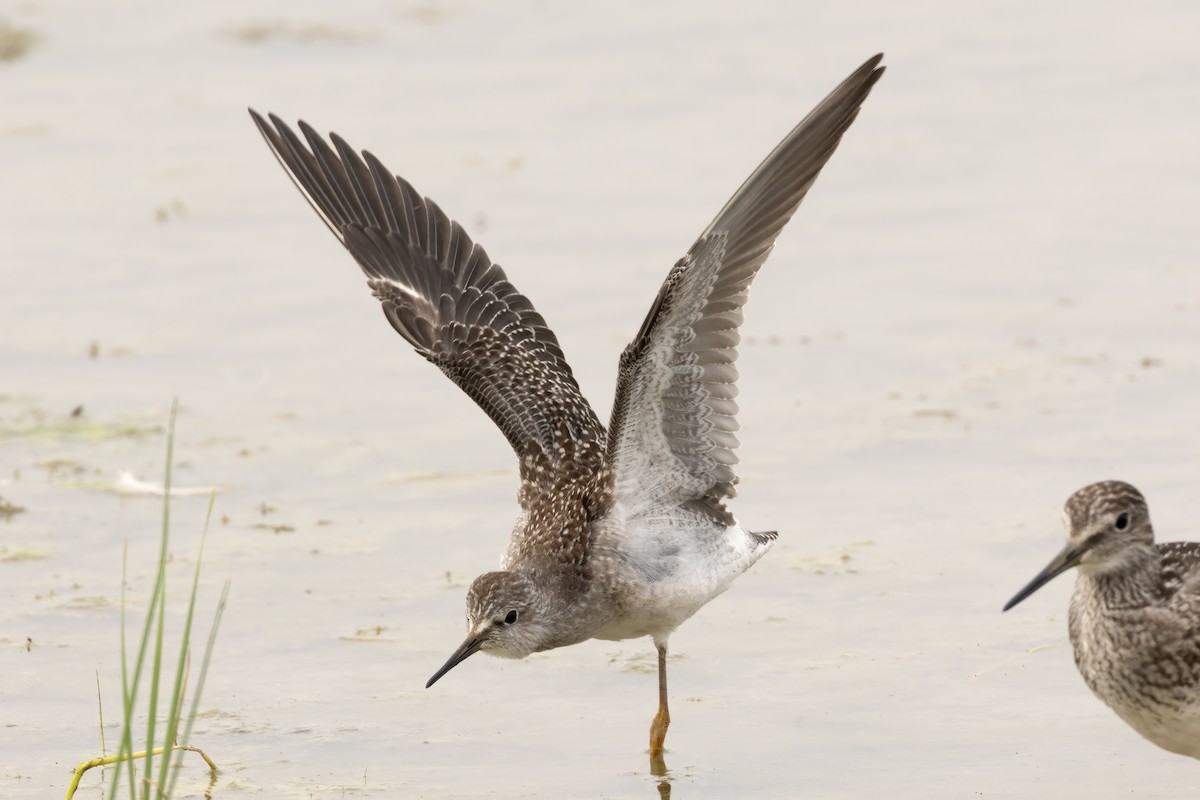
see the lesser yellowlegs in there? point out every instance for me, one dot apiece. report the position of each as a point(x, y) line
point(1134, 617)
point(621, 533)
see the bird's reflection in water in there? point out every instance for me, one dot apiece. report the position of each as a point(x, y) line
point(658, 768)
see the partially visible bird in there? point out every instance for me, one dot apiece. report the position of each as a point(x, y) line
point(1135, 615)
point(621, 533)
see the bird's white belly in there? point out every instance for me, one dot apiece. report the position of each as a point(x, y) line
point(1179, 733)
point(666, 582)
point(1174, 728)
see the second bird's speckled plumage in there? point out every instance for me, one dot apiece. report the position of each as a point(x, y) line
point(621, 533)
point(1134, 617)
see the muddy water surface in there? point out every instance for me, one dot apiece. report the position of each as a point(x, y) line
point(989, 299)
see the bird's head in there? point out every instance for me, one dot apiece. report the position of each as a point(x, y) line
point(1107, 524)
point(504, 618)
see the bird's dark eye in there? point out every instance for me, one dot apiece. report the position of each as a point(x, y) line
point(510, 618)
point(1122, 522)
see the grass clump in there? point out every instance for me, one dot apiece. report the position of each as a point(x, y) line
point(158, 780)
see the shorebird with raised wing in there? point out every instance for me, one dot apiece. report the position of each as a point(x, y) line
point(622, 532)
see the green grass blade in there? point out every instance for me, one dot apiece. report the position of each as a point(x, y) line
point(181, 668)
point(161, 590)
point(100, 709)
point(126, 745)
point(199, 690)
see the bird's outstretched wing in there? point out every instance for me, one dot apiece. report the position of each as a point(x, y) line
point(442, 293)
point(672, 436)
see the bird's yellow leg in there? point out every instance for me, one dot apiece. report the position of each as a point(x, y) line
point(662, 720)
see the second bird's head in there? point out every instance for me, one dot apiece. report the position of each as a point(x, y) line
point(1108, 524)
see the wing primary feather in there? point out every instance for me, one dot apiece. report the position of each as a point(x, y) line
point(441, 292)
point(360, 179)
point(674, 411)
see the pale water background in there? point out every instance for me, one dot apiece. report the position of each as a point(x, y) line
point(990, 299)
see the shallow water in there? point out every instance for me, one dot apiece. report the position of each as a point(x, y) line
point(989, 299)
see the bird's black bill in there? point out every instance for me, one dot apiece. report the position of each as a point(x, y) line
point(468, 648)
point(1067, 558)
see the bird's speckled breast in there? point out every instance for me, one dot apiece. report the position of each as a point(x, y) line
point(1143, 663)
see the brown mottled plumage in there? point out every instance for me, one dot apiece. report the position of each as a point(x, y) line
point(1134, 617)
point(622, 534)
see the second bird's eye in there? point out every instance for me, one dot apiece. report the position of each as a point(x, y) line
point(1122, 522)
point(510, 618)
